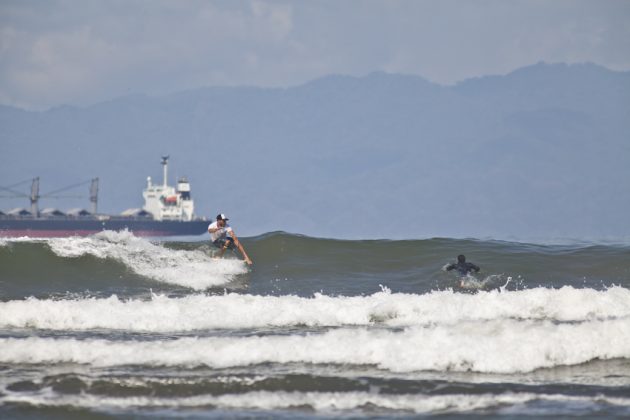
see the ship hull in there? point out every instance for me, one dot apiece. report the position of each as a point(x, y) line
point(43, 228)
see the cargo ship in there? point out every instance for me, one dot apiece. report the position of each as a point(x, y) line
point(167, 211)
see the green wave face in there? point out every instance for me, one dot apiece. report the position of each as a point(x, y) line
point(293, 264)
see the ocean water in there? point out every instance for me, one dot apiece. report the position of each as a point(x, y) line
point(118, 326)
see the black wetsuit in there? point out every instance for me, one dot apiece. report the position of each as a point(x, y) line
point(463, 268)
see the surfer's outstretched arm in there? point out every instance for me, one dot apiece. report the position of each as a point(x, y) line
point(241, 249)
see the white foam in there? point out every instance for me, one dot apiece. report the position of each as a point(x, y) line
point(498, 346)
point(230, 311)
point(324, 402)
point(189, 268)
point(19, 239)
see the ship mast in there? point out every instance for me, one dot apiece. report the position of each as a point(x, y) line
point(35, 197)
point(165, 165)
point(94, 194)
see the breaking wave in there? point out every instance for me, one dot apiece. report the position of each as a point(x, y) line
point(497, 346)
point(328, 402)
point(194, 268)
point(231, 310)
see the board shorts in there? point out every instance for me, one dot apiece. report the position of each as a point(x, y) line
point(224, 242)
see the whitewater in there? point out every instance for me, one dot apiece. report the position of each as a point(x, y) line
point(118, 325)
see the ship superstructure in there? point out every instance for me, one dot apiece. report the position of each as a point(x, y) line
point(169, 203)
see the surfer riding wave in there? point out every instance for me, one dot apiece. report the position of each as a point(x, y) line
point(224, 238)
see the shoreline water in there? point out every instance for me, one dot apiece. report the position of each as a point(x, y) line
point(118, 326)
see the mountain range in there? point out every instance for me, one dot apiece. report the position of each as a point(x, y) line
point(542, 152)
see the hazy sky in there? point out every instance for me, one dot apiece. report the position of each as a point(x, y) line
point(81, 52)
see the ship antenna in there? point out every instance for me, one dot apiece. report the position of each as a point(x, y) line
point(35, 197)
point(94, 195)
point(165, 165)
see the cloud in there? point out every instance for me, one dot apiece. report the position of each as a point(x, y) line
point(111, 50)
point(63, 51)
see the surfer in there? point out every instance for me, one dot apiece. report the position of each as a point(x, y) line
point(224, 238)
point(463, 268)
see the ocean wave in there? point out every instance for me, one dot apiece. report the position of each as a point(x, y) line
point(328, 402)
point(188, 268)
point(293, 264)
point(232, 311)
point(498, 346)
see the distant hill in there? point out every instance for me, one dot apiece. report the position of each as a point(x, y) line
point(541, 152)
